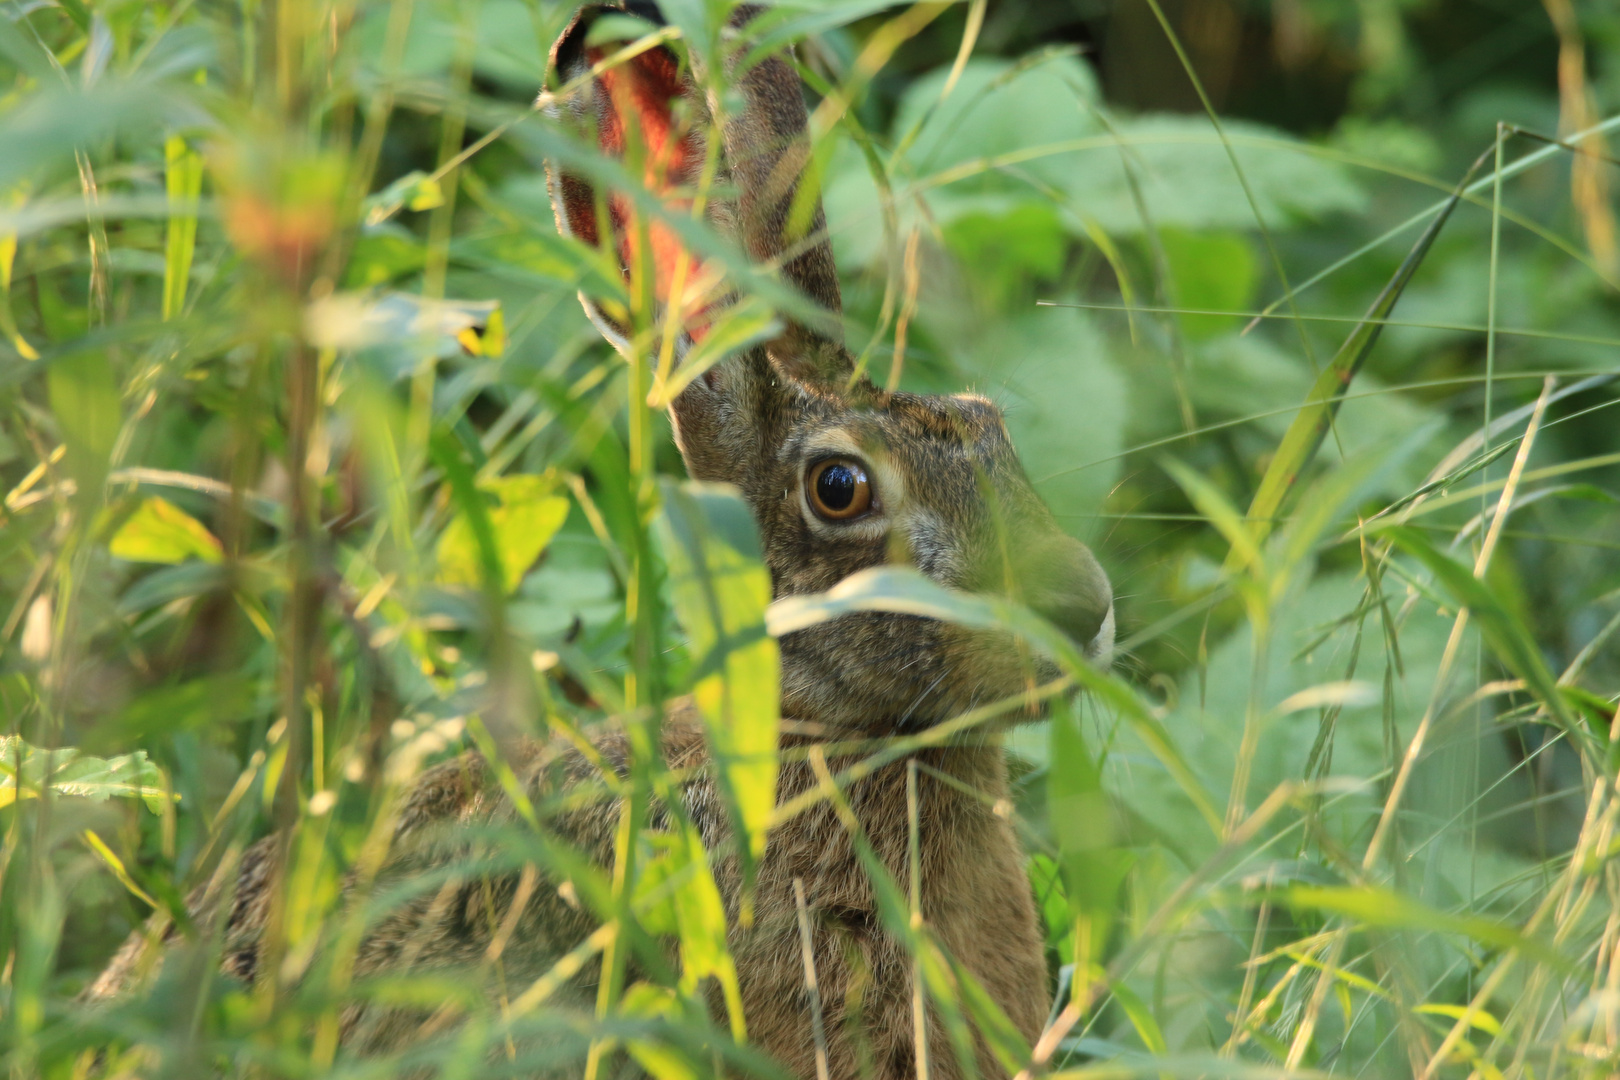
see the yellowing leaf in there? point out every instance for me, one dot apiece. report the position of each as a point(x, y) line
point(414, 191)
point(488, 339)
point(116, 865)
point(160, 532)
point(721, 591)
point(1479, 1018)
point(523, 517)
point(662, 1061)
point(676, 892)
point(494, 339)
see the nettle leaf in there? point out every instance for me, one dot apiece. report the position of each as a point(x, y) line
point(1000, 107)
point(383, 253)
point(1061, 359)
point(1212, 271)
point(1036, 131)
point(161, 532)
point(26, 770)
point(1004, 137)
point(524, 514)
point(1186, 179)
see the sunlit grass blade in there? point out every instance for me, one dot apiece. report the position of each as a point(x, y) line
point(721, 591)
point(183, 181)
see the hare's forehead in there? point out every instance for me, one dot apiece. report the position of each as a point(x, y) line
point(934, 447)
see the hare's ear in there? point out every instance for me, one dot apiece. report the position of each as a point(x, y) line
point(651, 112)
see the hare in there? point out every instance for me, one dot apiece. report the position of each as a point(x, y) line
point(839, 475)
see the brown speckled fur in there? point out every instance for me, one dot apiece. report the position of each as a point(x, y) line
point(951, 498)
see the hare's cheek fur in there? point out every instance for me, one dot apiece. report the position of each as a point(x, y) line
point(889, 673)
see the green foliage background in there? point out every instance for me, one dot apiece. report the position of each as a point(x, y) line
point(315, 472)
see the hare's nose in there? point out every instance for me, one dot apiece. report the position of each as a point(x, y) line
point(1072, 593)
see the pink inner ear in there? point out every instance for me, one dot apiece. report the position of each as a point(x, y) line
point(645, 87)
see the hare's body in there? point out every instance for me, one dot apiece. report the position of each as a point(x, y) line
point(974, 899)
point(839, 476)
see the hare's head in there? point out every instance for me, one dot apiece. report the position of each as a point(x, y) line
point(840, 475)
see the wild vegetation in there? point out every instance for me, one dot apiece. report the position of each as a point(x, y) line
point(1303, 316)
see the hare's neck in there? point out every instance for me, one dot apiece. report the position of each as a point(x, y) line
point(960, 808)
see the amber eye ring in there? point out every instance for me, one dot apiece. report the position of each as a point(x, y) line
point(838, 489)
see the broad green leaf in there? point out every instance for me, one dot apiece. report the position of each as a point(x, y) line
point(1028, 237)
point(381, 254)
point(186, 704)
point(1186, 178)
point(1015, 131)
point(24, 770)
point(161, 532)
point(524, 514)
point(721, 592)
point(1062, 357)
point(1093, 865)
point(677, 895)
point(1210, 271)
point(1324, 502)
point(190, 578)
point(508, 41)
point(662, 1061)
point(41, 131)
point(1046, 878)
point(998, 107)
point(85, 402)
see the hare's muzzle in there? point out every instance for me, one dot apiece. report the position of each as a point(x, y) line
point(1063, 582)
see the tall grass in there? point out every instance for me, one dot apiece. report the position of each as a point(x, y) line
point(315, 474)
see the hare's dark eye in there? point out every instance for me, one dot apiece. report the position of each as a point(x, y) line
point(838, 489)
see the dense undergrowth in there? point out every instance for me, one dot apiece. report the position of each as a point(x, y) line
point(314, 473)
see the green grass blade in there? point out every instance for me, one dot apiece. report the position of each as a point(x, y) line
point(1304, 436)
point(183, 182)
